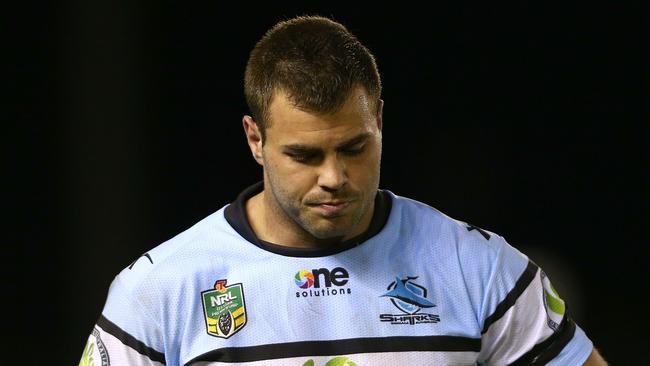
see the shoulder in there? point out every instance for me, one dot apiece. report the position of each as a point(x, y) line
point(484, 260)
point(157, 280)
point(166, 261)
point(467, 238)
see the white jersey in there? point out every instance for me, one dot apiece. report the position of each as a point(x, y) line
point(419, 288)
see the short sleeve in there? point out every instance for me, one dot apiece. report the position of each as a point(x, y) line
point(124, 334)
point(525, 321)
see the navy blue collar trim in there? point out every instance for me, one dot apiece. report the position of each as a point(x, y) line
point(235, 214)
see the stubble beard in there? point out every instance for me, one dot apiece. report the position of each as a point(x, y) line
point(314, 227)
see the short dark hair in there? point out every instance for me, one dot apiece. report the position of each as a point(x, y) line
point(315, 60)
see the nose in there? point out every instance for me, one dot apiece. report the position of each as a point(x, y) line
point(333, 174)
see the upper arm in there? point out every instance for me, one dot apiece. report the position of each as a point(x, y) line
point(124, 334)
point(595, 359)
point(525, 318)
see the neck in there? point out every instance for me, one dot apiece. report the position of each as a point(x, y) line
point(266, 218)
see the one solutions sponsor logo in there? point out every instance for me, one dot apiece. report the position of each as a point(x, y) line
point(409, 297)
point(319, 282)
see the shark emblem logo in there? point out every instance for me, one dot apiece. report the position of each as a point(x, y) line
point(409, 297)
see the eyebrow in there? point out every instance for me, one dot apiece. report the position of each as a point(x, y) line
point(300, 148)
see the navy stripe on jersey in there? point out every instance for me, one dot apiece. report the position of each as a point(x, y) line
point(341, 347)
point(547, 350)
point(522, 283)
point(129, 340)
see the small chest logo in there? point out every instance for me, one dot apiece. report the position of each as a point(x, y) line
point(224, 309)
point(322, 282)
point(409, 297)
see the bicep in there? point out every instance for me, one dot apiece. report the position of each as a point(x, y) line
point(595, 359)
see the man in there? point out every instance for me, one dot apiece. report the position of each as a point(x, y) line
point(317, 266)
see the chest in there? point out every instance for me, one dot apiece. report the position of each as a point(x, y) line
point(312, 308)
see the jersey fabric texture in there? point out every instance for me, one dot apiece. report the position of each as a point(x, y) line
point(418, 288)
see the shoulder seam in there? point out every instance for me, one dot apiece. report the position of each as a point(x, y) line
point(171, 253)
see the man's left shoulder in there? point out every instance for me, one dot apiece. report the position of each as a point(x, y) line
point(448, 230)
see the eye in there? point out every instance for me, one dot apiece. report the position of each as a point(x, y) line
point(353, 151)
point(302, 157)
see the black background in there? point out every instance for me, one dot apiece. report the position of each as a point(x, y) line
point(124, 128)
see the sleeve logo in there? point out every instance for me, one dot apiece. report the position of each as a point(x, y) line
point(95, 353)
point(224, 309)
point(336, 361)
point(555, 307)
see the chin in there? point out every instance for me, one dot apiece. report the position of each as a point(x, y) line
point(330, 233)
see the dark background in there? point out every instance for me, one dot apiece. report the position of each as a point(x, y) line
point(124, 128)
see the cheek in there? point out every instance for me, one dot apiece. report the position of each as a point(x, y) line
point(278, 165)
point(366, 169)
point(362, 178)
point(292, 173)
point(294, 178)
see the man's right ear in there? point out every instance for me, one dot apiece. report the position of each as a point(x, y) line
point(254, 138)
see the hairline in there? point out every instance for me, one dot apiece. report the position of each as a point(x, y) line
point(373, 100)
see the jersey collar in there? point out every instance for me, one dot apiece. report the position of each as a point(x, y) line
point(235, 214)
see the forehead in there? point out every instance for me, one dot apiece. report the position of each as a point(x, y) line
point(288, 122)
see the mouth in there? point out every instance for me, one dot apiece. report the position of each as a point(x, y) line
point(332, 208)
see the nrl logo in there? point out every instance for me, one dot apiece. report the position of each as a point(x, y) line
point(224, 309)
